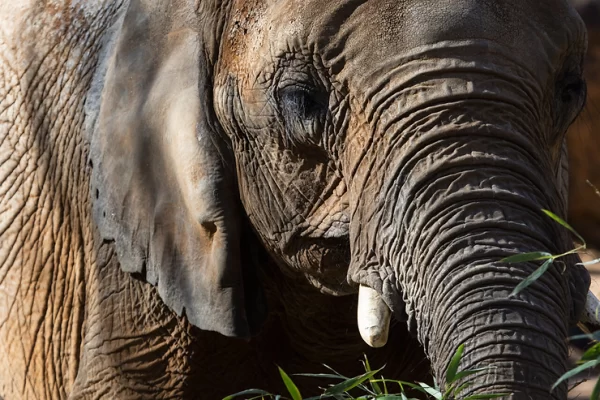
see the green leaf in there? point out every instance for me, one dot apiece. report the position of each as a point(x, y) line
point(453, 366)
point(525, 257)
point(431, 391)
point(596, 392)
point(592, 353)
point(320, 397)
point(460, 376)
point(402, 384)
point(575, 371)
point(335, 372)
point(289, 384)
point(469, 372)
point(459, 389)
point(564, 224)
point(532, 278)
point(585, 264)
point(385, 389)
point(374, 384)
point(486, 396)
point(249, 391)
point(322, 376)
point(351, 383)
point(595, 336)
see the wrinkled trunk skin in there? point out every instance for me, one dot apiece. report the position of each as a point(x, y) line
point(461, 187)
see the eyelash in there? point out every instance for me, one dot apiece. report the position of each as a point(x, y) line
point(303, 115)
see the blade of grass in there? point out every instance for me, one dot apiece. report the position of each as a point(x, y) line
point(385, 389)
point(335, 372)
point(289, 384)
point(562, 222)
point(321, 376)
point(596, 392)
point(431, 391)
point(592, 353)
point(575, 371)
point(590, 336)
point(454, 362)
point(459, 389)
point(532, 278)
point(402, 384)
point(585, 264)
point(524, 257)
point(374, 385)
point(246, 392)
point(350, 383)
point(469, 372)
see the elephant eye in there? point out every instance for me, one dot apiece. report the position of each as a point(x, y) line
point(303, 111)
point(573, 90)
point(570, 99)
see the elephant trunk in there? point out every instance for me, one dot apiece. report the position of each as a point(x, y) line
point(463, 188)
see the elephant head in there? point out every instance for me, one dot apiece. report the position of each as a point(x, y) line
point(398, 149)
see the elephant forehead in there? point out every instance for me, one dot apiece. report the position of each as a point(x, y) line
point(368, 32)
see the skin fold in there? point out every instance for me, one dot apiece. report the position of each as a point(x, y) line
point(191, 193)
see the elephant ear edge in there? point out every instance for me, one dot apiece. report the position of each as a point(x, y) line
point(160, 189)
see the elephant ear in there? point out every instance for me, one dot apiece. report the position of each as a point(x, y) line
point(160, 187)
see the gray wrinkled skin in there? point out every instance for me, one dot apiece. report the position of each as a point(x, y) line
point(192, 191)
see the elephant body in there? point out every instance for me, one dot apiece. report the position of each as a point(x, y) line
point(192, 192)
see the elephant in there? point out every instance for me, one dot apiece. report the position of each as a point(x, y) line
point(193, 192)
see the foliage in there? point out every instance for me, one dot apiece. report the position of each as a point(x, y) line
point(456, 381)
point(591, 358)
point(369, 387)
point(543, 256)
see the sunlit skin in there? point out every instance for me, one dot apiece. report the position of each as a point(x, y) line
point(194, 192)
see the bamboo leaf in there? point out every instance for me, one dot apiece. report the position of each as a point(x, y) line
point(374, 384)
point(431, 391)
point(590, 336)
point(564, 224)
point(525, 257)
point(592, 353)
point(321, 376)
point(348, 384)
point(532, 278)
point(595, 261)
point(249, 391)
point(596, 392)
point(469, 372)
point(320, 397)
point(454, 362)
point(335, 372)
point(289, 384)
point(402, 384)
point(575, 371)
point(460, 389)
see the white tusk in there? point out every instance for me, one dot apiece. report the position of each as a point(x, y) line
point(592, 309)
point(373, 317)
